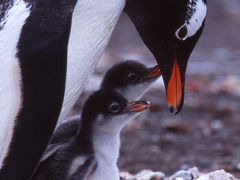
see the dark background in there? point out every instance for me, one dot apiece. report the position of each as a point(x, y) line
point(206, 133)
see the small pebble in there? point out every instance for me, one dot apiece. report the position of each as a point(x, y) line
point(182, 175)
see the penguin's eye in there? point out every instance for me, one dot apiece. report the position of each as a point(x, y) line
point(182, 32)
point(114, 107)
point(132, 78)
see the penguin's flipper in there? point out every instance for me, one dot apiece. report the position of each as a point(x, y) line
point(85, 170)
point(66, 130)
point(61, 136)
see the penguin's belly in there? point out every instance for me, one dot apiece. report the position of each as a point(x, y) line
point(89, 36)
point(10, 73)
point(105, 172)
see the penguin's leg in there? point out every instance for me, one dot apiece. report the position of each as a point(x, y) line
point(42, 56)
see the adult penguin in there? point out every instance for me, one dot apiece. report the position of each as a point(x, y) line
point(49, 48)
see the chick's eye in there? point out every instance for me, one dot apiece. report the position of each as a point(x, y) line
point(114, 107)
point(132, 78)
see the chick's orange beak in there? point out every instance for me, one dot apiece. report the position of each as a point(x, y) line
point(154, 72)
point(137, 106)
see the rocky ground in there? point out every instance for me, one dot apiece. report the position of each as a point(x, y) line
point(190, 174)
point(206, 134)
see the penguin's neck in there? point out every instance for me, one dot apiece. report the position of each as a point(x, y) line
point(104, 144)
point(106, 148)
point(92, 25)
point(106, 152)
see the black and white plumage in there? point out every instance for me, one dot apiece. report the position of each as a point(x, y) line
point(48, 49)
point(33, 69)
point(130, 78)
point(170, 29)
point(96, 145)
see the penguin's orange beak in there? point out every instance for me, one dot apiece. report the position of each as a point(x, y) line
point(137, 106)
point(174, 88)
point(173, 73)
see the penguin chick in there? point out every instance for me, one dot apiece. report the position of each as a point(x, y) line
point(130, 78)
point(93, 152)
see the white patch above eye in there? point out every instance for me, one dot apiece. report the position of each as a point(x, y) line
point(197, 10)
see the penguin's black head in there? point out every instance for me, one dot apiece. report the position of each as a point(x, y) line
point(170, 29)
point(109, 111)
point(130, 78)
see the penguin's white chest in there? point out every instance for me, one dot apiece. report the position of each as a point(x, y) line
point(10, 73)
point(104, 171)
point(106, 147)
point(92, 26)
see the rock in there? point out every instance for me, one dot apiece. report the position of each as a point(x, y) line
point(143, 175)
point(126, 176)
point(217, 175)
point(182, 175)
point(191, 174)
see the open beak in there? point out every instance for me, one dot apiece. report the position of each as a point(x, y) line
point(137, 106)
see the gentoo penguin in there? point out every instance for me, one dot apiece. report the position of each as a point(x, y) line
point(49, 49)
point(130, 78)
point(93, 152)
